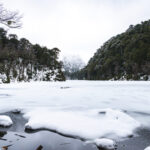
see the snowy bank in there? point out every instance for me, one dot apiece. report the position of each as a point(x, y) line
point(5, 121)
point(90, 125)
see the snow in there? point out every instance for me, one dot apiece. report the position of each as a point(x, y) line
point(105, 143)
point(72, 63)
point(85, 109)
point(38, 75)
point(3, 77)
point(5, 121)
point(84, 125)
point(148, 148)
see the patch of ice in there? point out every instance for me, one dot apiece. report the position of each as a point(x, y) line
point(89, 125)
point(5, 121)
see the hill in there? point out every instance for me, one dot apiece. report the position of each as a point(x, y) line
point(125, 56)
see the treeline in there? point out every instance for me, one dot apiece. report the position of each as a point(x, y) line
point(125, 56)
point(22, 61)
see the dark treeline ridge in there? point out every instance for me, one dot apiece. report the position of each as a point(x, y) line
point(22, 61)
point(125, 56)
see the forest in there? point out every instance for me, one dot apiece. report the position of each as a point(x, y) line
point(21, 60)
point(123, 57)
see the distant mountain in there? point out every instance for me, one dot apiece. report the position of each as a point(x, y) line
point(71, 65)
point(22, 61)
point(125, 56)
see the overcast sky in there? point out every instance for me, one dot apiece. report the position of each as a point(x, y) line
point(76, 27)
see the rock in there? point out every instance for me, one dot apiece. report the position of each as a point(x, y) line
point(40, 147)
point(105, 144)
point(5, 147)
point(5, 121)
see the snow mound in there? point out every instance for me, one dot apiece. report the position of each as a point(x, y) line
point(148, 148)
point(5, 121)
point(105, 143)
point(87, 125)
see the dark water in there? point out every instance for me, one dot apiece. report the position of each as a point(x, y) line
point(16, 139)
point(139, 142)
point(47, 140)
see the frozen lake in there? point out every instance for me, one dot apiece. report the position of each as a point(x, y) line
point(85, 109)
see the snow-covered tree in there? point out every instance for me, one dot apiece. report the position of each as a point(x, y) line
point(10, 18)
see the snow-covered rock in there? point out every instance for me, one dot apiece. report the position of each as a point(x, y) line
point(148, 148)
point(104, 143)
point(16, 111)
point(5, 121)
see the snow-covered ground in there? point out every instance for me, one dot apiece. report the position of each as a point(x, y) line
point(85, 109)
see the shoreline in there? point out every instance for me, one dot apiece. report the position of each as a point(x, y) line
point(15, 135)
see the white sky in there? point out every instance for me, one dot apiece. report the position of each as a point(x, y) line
point(76, 27)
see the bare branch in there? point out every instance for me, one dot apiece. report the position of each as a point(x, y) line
point(12, 19)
